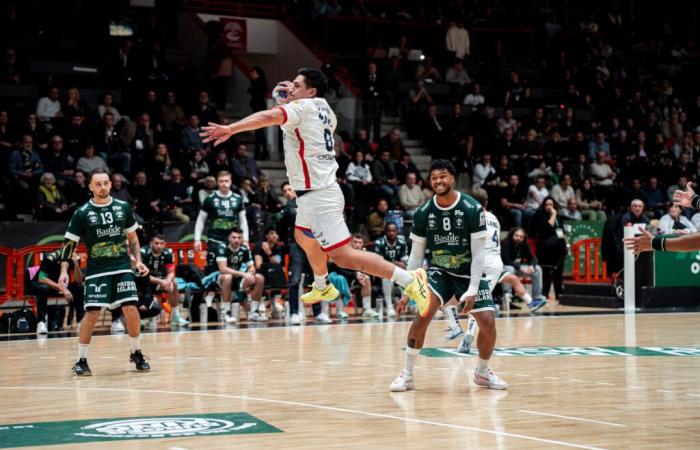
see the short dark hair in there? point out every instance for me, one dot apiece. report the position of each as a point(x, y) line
point(443, 164)
point(314, 78)
point(235, 230)
point(284, 184)
point(98, 172)
point(160, 236)
point(269, 230)
point(481, 196)
point(390, 223)
point(358, 236)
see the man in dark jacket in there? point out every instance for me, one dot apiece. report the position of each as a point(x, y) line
point(518, 259)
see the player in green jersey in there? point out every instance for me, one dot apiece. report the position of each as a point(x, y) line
point(102, 223)
point(392, 247)
point(224, 210)
point(452, 225)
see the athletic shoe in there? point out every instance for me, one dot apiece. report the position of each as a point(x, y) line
point(117, 326)
point(323, 318)
point(453, 333)
point(391, 313)
point(489, 379)
point(439, 314)
point(295, 319)
point(140, 361)
point(81, 368)
point(370, 314)
point(418, 291)
point(257, 317)
point(537, 303)
point(178, 321)
point(230, 319)
point(261, 307)
point(317, 295)
point(341, 315)
point(465, 345)
point(402, 383)
point(41, 328)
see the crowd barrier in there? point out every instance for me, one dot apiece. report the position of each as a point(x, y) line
point(588, 266)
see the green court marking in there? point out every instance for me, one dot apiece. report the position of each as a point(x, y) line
point(569, 351)
point(128, 428)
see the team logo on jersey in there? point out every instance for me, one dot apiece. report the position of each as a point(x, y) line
point(459, 213)
point(459, 223)
point(482, 219)
point(92, 217)
point(98, 287)
point(432, 224)
point(116, 208)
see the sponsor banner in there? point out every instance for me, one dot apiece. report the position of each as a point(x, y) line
point(235, 34)
point(571, 351)
point(676, 269)
point(130, 428)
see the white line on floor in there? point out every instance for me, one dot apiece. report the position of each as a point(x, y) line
point(47, 357)
point(606, 384)
point(663, 391)
point(576, 380)
point(580, 419)
point(278, 360)
point(108, 357)
point(550, 378)
point(195, 357)
point(311, 405)
point(694, 395)
point(223, 359)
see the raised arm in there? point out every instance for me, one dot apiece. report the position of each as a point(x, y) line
point(220, 133)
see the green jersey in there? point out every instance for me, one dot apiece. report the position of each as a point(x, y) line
point(238, 259)
point(447, 232)
point(223, 213)
point(392, 253)
point(158, 265)
point(103, 228)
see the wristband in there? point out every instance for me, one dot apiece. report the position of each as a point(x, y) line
point(695, 201)
point(658, 243)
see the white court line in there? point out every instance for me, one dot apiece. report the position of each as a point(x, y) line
point(576, 380)
point(311, 405)
point(663, 391)
point(47, 357)
point(223, 359)
point(694, 395)
point(550, 378)
point(108, 357)
point(195, 357)
point(612, 424)
point(606, 384)
point(278, 360)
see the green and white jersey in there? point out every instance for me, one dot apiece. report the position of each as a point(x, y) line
point(239, 259)
point(392, 253)
point(103, 229)
point(447, 232)
point(158, 265)
point(223, 213)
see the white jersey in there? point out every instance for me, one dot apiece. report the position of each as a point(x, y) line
point(493, 235)
point(309, 153)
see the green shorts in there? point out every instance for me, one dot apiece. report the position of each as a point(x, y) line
point(110, 290)
point(445, 285)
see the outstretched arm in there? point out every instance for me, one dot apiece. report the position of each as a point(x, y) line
point(261, 119)
point(647, 242)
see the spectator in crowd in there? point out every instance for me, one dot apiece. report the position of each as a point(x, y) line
point(107, 106)
point(518, 259)
point(507, 122)
point(410, 195)
point(269, 262)
point(550, 245)
point(483, 171)
point(77, 192)
point(204, 109)
point(11, 70)
point(372, 100)
point(152, 107)
point(405, 166)
point(25, 169)
point(45, 285)
point(674, 222)
point(77, 136)
point(59, 162)
point(269, 202)
point(189, 136)
point(245, 166)
point(33, 128)
point(89, 161)
point(656, 198)
point(297, 258)
point(198, 166)
point(513, 201)
point(433, 131)
point(48, 109)
point(384, 176)
point(222, 163)
point(258, 102)
point(427, 72)
point(140, 138)
point(589, 203)
point(563, 192)
point(147, 204)
point(536, 193)
point(119, 190)
point(571, 212)
point(7, 139)
point(172, 115)
point(177, 198)
point(392, 143)
point(362, 143)
point(160, 167)
point(515, 89)
point(458, 77)
point(50, 203)
point(108, 144)
point(208, 186)
point(457, 40)
point(634, 216)
point(359, 176)
point(474, 100)
point(600, 144)
point(375, 221)
point(74, 105)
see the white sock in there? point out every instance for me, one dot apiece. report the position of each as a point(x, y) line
point(483, 365)
point(367, 303)
point(452, 317)
point(339, 306)
point(135, 343)
point(321, 281)
point(471, 326)
point(225, 307)
point(209, 299)
point(83, 350)
point(236, 310)
point(401, 277)
point(254, 306)
point(325, 308)
point(527, 297)
point(411, 354)
point(176, 311)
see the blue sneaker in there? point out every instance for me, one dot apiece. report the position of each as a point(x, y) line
point(536, 304)
point(453, 333)
point(466, 344)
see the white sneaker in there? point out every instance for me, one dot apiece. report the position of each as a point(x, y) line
point(489, 379)
point(440, 314)
point(230, 319)
point(257, 317)
point(41, 328)
point(261, 307)
point(342, 315)
point(391, 313)
point(369, 313)
point(209, 300)
point(402, 383)
point(453, 333)
point(465, 345)
point(323, 318)
point(117, 326)
point(295, 319)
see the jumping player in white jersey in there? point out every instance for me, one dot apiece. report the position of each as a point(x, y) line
point(307, 124)
point(494, 274)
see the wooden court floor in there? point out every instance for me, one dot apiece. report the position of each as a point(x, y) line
point(327, 386)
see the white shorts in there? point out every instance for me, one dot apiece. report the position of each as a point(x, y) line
point(493, 270)
point(320, 215)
